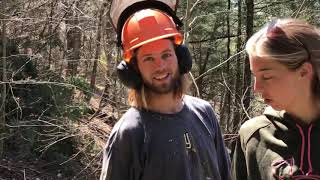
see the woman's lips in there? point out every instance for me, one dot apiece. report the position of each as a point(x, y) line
point(267, 100)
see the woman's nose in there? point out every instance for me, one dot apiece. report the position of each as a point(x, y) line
point(258, 87)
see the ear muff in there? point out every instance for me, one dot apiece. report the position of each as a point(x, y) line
point(129, 76)
point(184, 59)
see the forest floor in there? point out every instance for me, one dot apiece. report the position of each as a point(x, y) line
point(97, 126)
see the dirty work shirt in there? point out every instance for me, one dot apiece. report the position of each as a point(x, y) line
point(187, 145)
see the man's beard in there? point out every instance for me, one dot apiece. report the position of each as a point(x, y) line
point(172, 86)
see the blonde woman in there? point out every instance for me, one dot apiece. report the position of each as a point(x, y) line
point(284, 142)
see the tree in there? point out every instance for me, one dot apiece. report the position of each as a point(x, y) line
point(98, 46)
point(73, 40)
point(4, 80)
point(247, 73)
point(225, 111)
point(237, 80)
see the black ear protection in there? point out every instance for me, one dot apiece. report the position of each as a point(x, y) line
point(131, 78)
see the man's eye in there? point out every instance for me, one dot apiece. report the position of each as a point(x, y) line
point(166, 55)
point(146, 59)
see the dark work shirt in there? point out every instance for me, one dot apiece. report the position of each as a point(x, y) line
point(187, 145)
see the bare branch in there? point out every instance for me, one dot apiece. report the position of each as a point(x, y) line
point(211, 69)
point(195, 84)
point(299, 10)
point(212, 39)
point(242, 104)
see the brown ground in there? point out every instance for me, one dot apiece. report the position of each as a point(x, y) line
point(97, 126)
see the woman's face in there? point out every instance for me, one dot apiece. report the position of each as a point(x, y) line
point(280, 87)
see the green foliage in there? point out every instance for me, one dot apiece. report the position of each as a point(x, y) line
point(76, 111)
point(81, 84)
point(39, 113)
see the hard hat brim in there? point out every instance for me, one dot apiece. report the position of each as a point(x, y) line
point(154, 39)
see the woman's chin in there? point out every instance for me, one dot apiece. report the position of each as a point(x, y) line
point(273, 105)
point(276, 107)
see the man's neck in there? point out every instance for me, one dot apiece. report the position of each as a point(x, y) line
point(164, 103)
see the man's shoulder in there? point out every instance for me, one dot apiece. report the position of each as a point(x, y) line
point(127, 131)
point(195, 102)
point(203, 110)
point(132, 113)
point(130, 122)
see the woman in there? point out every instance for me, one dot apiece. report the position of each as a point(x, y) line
point(284, 142)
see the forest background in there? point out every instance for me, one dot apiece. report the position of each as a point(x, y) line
point(60, 96)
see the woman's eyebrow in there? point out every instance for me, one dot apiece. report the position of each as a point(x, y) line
point(265, 69)
point(262, 70)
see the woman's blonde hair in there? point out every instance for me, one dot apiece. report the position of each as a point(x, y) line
point(291, 42)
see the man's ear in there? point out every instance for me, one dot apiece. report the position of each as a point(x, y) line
point(306, 70)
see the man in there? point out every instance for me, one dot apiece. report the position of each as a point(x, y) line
point(165, 135)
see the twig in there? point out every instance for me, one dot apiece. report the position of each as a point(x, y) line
point(24, 174)
point(75, 155)
point(205, 73)
point(98, 154)
point(49, 145)
point(299, 10)
point(242, 99)
point(195, 84)
point(15, 100)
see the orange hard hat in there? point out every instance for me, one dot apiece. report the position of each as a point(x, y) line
point(146, 26)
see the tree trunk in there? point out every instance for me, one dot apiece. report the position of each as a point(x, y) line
point(98, 47)
point(237, 92)
point(73, 43)
point(186, 24)
point(247, 73)
point(50, 32)
point(228, 98)
point(64, 52)
point(73, 49)
point(111, 67)
point(237, 82)
point(4, 86)
point(225, 111)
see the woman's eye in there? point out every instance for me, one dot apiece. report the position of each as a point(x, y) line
point(266, 77)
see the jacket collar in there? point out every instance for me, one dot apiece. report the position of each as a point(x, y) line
point(286, 119)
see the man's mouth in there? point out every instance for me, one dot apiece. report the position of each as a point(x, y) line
point(162, 77)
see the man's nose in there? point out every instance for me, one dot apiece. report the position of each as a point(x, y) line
point(159, 62)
